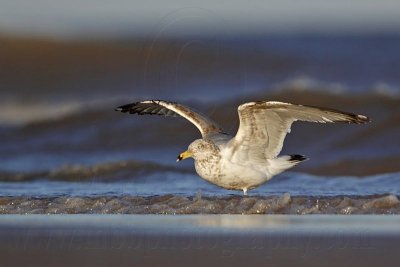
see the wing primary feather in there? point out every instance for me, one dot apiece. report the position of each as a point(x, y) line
point(171, 109)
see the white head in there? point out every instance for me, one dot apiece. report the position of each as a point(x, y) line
point(199, 149)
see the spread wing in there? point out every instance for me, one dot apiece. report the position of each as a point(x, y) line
point(264, 125)
point(164, 108)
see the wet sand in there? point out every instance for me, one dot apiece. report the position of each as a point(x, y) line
point(193, 240)
point(172, 204)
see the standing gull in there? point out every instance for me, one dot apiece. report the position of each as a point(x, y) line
point(250, 158)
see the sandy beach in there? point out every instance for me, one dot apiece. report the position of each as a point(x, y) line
point(228, 240)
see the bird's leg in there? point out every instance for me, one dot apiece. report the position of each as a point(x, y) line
point(244, 191)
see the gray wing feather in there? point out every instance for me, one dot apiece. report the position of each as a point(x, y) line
point(264, 125)
point(158, 107)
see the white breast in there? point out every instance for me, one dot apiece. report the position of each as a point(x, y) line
point(230, 175)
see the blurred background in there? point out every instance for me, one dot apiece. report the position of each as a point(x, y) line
point(65, 65)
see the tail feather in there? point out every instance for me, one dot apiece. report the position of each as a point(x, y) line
point(297, 158)
point(282, 163)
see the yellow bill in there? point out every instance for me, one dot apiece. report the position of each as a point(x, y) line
point(184, 155)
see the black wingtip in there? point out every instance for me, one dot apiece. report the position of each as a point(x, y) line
point(297, 158)
point(125, 108)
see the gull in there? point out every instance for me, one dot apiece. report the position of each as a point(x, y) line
point(251, 157)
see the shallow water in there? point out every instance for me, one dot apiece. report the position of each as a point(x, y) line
point(186, 184)
point(174, 193)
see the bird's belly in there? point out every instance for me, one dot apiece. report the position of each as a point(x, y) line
point(232, 176)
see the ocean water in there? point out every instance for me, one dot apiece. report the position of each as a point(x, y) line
point(190, 185)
